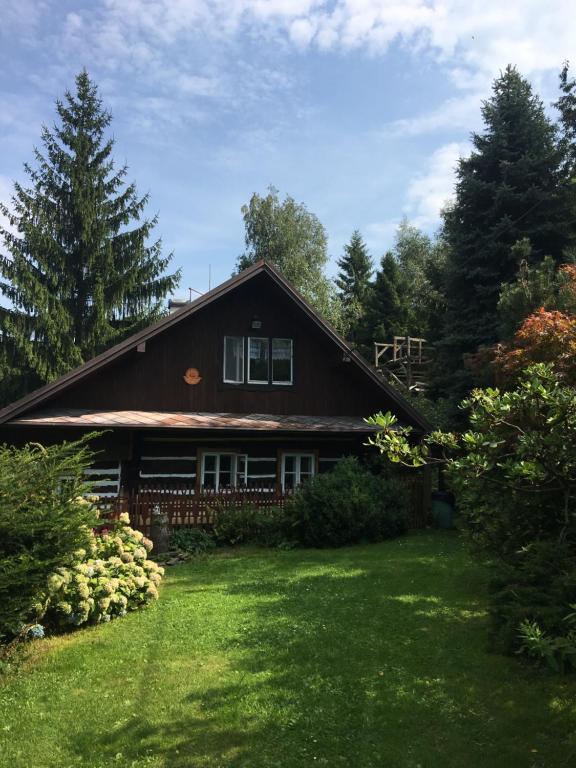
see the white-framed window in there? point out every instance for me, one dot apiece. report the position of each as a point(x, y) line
point(223, 470)
point(234, 359)
point(296, 468)
point(282, 361)
point(258, 362)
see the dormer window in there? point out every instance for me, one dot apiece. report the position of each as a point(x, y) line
point(268, 361)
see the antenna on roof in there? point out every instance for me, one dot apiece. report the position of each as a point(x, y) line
point(209, 276)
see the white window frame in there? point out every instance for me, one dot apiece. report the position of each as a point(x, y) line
point(297, 467)
point(274, 381)
point(242, 346)
point(250, 379)
point(233, 467)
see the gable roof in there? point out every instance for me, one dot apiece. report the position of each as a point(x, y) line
point(41, 395)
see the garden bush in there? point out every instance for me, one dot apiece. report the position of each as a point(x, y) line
point(196, 541)
point(536, 588)
point(346, 506)
point(44, 519)
point(109, 577)
point(248, 524)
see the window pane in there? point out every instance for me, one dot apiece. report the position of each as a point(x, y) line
point(234, 359)
point(289, 462)
point(241, 470)
point(209, 480)
point(289, 480)
point(225, 479)
point(305, 466)
point(258, 360)
point(282, 361)
point(225, 462)
point(209, 463)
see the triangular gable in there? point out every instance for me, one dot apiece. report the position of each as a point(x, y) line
point(41, 395)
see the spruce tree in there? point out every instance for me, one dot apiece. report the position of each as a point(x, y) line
point(566, 106)
point(508, 189)
point(353, 282)
point(77, 277)
point(388, 309)
point(355, 271)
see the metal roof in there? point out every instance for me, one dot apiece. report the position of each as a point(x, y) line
point(93, 419)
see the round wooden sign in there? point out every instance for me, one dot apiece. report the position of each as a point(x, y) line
point(192, 376)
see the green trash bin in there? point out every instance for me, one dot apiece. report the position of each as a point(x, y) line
point(443, 509)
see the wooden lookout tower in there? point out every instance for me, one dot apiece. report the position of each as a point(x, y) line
point(406, 360)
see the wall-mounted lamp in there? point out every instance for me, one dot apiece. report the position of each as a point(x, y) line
point(256, 323)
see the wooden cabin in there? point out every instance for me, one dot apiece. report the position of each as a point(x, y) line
point(245, 389)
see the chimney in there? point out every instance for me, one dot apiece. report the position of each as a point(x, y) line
point(175, 304)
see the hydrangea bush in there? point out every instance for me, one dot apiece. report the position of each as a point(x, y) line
point(106, 580)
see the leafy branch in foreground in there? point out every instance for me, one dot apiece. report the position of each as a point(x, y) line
point(521, 443)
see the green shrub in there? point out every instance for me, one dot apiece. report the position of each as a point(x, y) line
point(534, 588)
point(43, 520)
point(347, 505)
point(193, 540)
point(248, 524)
point(558, 652)
point(111, 576)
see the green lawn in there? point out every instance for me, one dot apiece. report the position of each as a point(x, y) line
point(370, 656)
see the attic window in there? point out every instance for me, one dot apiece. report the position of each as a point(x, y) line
point(258, 360)
point(234, 359)
point(281, 361)
point(268, 361)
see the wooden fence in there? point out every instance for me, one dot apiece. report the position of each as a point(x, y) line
point(184, 507)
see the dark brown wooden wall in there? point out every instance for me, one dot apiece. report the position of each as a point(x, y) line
point(153, 380)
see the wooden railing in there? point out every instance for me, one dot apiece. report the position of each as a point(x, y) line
point(184, 507)
point(401, 348)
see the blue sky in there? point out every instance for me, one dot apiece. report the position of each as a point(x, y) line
point(358, 108)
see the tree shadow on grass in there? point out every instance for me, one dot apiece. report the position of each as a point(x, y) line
point(352, 659)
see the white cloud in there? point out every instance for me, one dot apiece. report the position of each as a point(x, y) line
point(429, 192)
point(471, 39)
point(477, 34)
point(458, 112)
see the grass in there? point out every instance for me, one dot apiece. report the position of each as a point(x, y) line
point(372, 656)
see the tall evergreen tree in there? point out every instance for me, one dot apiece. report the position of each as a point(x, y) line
point(388, 310)
point(353, 282)
point(355, 271)
point(76, 277)
point(566, 105)
point(508, 189)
